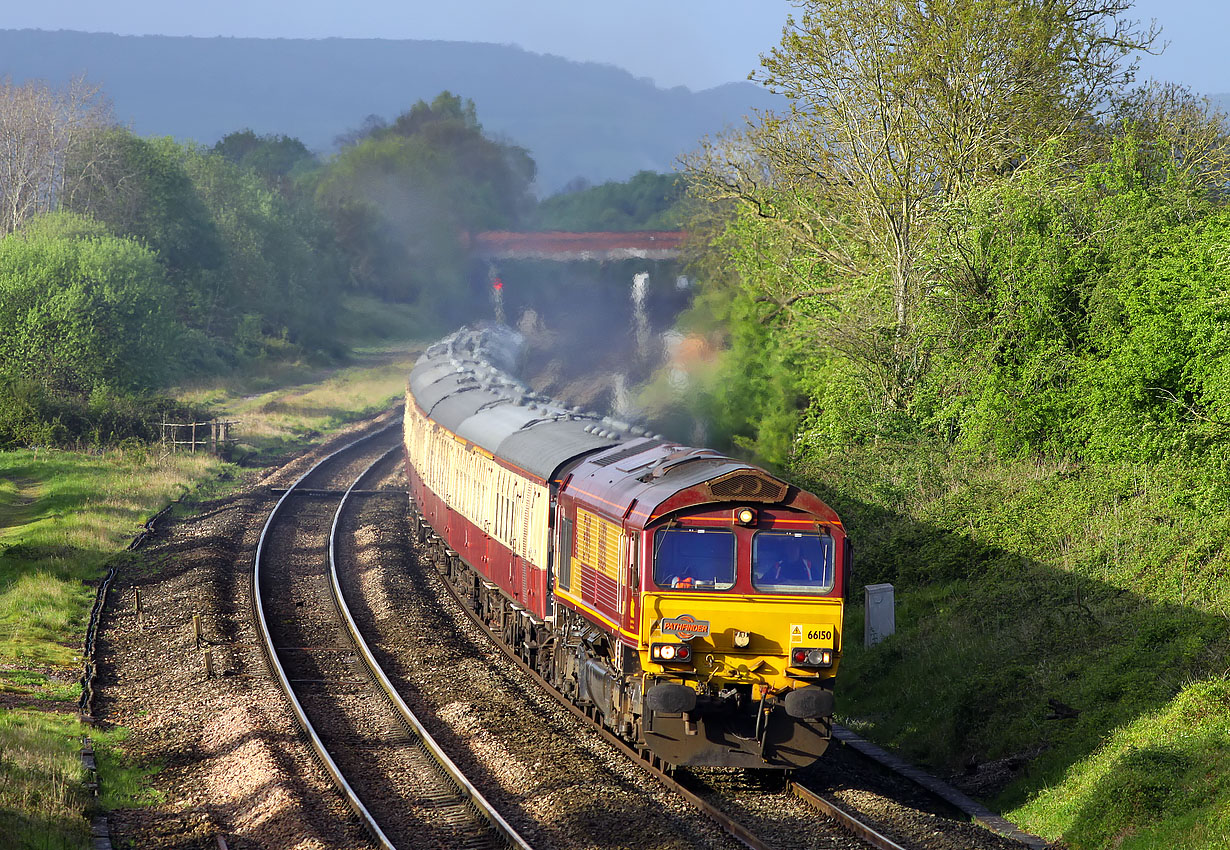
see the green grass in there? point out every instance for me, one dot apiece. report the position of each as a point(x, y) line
point(41, 795)
point(41, 792)
point(65, 515)
point(126, 782)
point(282, 406)
point(31, 683)
point(1017, 583)
point(84, 508)
point(1175, 760)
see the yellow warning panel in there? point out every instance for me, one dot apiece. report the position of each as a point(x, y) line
point(811, 634)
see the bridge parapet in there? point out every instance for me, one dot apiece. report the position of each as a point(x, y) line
point(560, 246)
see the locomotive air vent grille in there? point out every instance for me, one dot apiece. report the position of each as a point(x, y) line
point(747, 487)
point(626, 452)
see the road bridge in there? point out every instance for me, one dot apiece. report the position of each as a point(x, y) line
point(565, 247)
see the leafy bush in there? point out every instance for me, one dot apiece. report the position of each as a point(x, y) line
point(1087, 320)
point(33, 415)
point(81, 310)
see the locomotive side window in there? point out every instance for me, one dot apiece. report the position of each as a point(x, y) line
point(790, 562)
point(694, 559)
point(565, 553)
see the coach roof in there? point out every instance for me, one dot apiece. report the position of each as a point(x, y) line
point(480, 405)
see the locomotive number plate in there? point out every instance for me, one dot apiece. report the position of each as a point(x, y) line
point(811, 634)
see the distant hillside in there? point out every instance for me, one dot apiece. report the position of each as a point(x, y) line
point(577, 119)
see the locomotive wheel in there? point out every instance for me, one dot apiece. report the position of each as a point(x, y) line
point(546, 659)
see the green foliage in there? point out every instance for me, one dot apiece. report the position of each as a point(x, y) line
point(278, 269)
point(272, 157)
point(33, 415)
point(1087, 317)
point(1034, 452)
point(82, 311)
point(648, 201)
point(139, 188)
point(753, 398)
point(180, 260)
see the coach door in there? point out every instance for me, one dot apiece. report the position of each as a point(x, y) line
point(630, 587)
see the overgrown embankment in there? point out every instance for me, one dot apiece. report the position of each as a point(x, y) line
point(1062, 635)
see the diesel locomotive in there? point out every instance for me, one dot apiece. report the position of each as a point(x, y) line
point(691, 600)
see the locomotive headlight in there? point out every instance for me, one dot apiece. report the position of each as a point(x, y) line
point(742, 640)
point(668, 652)
point(745, 516)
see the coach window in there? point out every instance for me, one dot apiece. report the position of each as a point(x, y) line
point(694, 559)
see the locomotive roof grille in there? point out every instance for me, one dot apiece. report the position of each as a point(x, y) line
point(626, 452)
point(746, 486)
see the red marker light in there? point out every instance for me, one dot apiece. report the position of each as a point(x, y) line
point(800, 655)
point(497, 284)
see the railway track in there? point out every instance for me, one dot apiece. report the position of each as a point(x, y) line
point(404, 789)
point(726, 802)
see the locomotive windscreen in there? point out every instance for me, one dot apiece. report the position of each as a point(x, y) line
point(694, 559)
point(792, 562)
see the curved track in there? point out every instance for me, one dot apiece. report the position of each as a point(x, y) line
point(404, 789)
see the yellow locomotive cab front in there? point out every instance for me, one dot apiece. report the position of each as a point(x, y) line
point(773, 628)
point(737, 678)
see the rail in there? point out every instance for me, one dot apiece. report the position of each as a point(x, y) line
point(275, 666)
point(429, 743)
point(500, 828)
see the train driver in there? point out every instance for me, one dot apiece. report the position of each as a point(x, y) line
point(793, 568)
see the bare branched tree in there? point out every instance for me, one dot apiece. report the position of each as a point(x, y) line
point(1190, 136)
point(41, 132)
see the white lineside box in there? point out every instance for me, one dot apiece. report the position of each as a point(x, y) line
point(880, 620)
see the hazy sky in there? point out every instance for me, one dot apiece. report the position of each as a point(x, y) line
point(697, 43)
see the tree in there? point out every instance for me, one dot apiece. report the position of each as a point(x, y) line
point(82, 310)
point(274, 158)
point(647, 201)
point(41, 135)
point(1183, 137)
point(276, 278)
point(144, 192)
point(898, 106)
point(403, 198)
